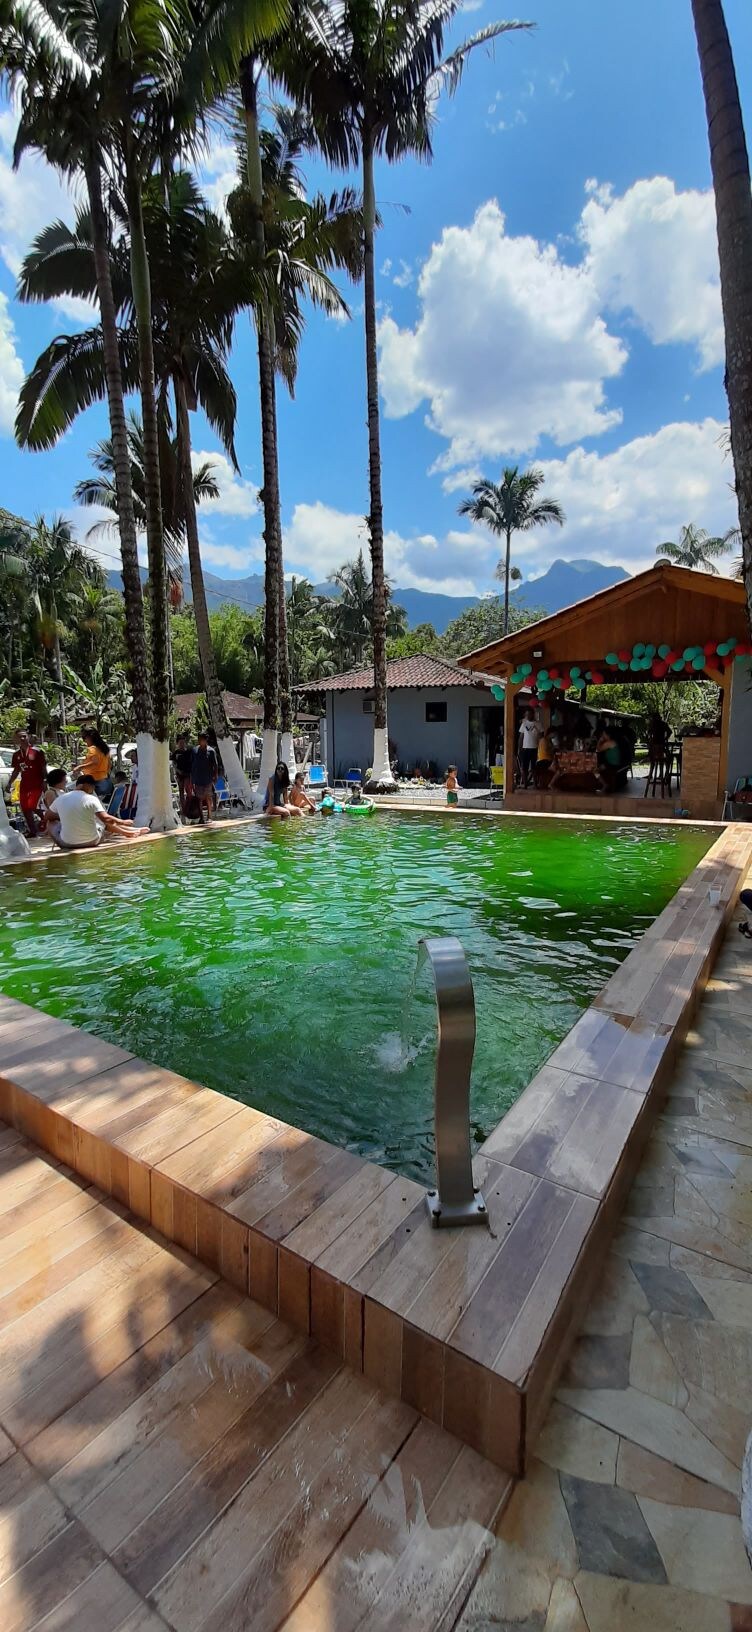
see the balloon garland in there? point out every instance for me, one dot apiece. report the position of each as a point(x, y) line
point(643, 658)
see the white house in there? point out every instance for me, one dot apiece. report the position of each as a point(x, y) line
point(439, 715)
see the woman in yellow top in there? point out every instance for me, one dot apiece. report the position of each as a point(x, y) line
point(96, 762)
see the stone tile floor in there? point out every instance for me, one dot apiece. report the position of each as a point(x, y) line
point(629, 1516)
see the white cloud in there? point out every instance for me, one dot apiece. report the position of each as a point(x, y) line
point(217, 172)
point(405, 276)
point(652, 252)
point(620, 505)
point(386, 268)
point(237, 558)
point(320, 539)
point(509, 345)
point(32, 197)
point(237, 496)
point(11, 370)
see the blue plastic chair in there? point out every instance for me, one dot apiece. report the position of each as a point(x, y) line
point(118, 795)
point(354, 778)
point(317, 777)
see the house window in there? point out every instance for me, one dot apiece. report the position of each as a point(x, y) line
point(436, 713)
point(368, 705)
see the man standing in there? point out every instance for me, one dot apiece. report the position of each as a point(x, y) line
point(204, 773)
point(529, 736)
point(183, 762)
point(30, 764)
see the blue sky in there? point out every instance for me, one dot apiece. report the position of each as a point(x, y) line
point(548, 291)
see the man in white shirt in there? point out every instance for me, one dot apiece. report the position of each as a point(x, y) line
point(529, 738)
point(83, 818)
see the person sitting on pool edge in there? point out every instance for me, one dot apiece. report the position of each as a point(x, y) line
point(82, 817)
point(277, 796)
point(452, 786)
point(299, 799)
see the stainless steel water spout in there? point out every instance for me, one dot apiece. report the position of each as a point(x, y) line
point(455, 1199)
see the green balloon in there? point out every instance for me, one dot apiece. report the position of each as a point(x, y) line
point(678, 665)
point(526, 668)
point(639, 649)
point(575, 672)
point(663, 650)
point(542, 674)
point(636, 663)
point(698, 662)
point(650, 652)
point(612, 660)
point(688, 654)
point(623, 666)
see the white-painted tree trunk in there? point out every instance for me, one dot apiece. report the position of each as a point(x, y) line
point(287, 753)
point(382, 770)
point(269, 756)
point(12, 844)
point(155, 809)
point(235, 776)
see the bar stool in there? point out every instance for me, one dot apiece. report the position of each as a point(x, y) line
point(658, 775)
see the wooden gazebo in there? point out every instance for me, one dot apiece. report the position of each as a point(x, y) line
point(668, 623)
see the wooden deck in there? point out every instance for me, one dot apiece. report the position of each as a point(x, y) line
point(468, 1327)
point(171, 1455)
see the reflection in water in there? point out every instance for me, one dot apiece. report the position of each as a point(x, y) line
point(278, 963)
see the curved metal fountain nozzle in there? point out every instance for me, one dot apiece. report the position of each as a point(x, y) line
point(455, 1200)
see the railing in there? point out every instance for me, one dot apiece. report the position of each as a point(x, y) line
point(455, 1199)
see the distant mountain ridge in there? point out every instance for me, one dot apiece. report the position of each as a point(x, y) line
point(564, 583)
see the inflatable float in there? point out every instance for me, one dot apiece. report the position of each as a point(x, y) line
point(333, 807)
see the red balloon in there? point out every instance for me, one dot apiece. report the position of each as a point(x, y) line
point(624, 656)
point(554, 674)
point(659, 669)
point(728, 660)
point(710, 649)
point(596, 678)
point(673, 657)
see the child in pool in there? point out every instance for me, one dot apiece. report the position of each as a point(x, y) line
point(452, 786)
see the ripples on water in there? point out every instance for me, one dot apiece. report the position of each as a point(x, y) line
point(273, 961)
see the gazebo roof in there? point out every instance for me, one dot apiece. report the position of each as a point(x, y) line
point(664, 604)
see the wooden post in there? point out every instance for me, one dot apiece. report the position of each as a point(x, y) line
point(725, 723)
point(510, 692)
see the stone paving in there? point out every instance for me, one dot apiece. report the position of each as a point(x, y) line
point(629, 1516)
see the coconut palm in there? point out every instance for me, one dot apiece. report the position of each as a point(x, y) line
point(696, 549)
point(303, 241)
point(368, 71)
point(508, 507)
point(59, 89)
point(58, 571)
point(197, 285)
point(729, 162)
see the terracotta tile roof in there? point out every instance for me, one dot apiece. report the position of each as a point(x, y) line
point(404, 673)
point(237, 708)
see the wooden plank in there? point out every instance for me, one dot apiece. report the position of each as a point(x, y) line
point(449, 1289)
point(340, 1596)
point(189, 1511)
point(75, 1202)
point(204, 1163)
point(301, 1174)
point(483, 1327)
point(375, 1226)
point(314, 1522)
point(40, 1271)
point(115, 1329)
point(193, 1589)
point(75, 1427)
point(323, 1227)
point(97, 1477)
point(48, 1071)
point(102, 1603)
point(47, 1578)
point(30, 1514)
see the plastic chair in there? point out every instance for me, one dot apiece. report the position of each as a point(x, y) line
point(741, 793)
point(354, 778)
point(317, 777)
point(118, 795)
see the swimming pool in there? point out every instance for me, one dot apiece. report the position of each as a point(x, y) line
point(275, 962)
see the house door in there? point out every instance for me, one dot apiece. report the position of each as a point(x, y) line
point(485, 738)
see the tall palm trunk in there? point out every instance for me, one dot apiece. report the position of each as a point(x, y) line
point(382, 771)
point(273, 569)
point(154, 792)
point(237, 781)
point(286, 717)
point(729, 161)
point(135, 629)
point(58, 664)
point(507, 566)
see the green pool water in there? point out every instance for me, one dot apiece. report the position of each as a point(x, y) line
point(275, 962)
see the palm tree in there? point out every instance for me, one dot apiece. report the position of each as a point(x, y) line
point(368, 70)
point(62, 114)
point(696, 549)
point(508, 507)
point(197, 285)
point(729, 162)
point(59, 570)
point(302, 241)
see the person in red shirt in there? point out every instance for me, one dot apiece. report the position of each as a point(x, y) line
point(30, 764)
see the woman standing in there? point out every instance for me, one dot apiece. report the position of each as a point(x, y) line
point(96, 762)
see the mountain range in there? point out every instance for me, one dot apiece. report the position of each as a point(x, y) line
point(564, 583)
